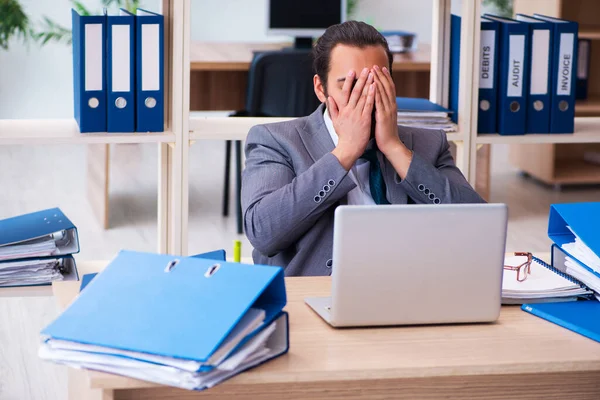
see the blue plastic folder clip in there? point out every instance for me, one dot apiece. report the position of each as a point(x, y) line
point(120, 66)
point(582, 317)
point(156, 298)
point(89, 71)
point(30, 229)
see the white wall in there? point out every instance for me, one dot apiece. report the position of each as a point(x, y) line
point(37, 82)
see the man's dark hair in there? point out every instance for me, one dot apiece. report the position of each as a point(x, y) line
point(350, 33)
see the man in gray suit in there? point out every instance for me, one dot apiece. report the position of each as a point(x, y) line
point(349, 151)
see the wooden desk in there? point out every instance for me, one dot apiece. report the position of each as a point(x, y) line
point(219, 73)
point(519, 357)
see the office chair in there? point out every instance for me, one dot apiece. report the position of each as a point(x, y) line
point(280, 84)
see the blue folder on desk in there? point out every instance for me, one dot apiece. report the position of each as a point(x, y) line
point(190, 314)
point(582, 317)
point(39, 234)
point(218, 255)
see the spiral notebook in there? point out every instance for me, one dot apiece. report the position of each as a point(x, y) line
point(544, 284)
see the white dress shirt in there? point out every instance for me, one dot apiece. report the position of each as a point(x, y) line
point(359, 173)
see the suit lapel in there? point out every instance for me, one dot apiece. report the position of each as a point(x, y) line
point(315, 136)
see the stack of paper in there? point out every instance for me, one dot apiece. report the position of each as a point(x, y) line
point(188, 323)
point(36, 248)
point(32, 272)
point(583, 263)
point(422, 113)
point(542, 284)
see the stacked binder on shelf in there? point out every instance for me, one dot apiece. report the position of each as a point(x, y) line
point(190, 323)
point(37, 248)
point(527, 74)
point(118, 77)
point(422, 113)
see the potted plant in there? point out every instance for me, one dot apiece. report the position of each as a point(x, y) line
point(13, 23)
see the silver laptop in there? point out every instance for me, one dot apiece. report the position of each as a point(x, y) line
point(415, 264)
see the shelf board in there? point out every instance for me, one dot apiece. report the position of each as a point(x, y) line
point(587, 130)
point(589, 32)
point(236, 128)
point(66, 131)
point(576, 172)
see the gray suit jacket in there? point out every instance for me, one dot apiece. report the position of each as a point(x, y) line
point(288, 211)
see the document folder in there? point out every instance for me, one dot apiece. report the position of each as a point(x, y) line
point(564, 59)
point(120, 72)
point(513, 75)
point(584, 49)
point(582, 317)
point(150, 71)
point(204, 319)
point(39, 234)
point(566, 221)
point(218, 255)
point(89, 71)
point(540, 70)
point(488, 77)
point(37, 271)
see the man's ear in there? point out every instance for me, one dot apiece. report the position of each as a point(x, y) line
point(319, 89)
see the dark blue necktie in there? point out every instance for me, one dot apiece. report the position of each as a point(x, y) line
point(376, 182)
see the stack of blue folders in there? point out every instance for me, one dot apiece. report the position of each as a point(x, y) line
point(574, 229)
point(190, 323)
point(527, 74)
point(118, 77)
point(424, 114)
point(575, 252)
point(36, 249)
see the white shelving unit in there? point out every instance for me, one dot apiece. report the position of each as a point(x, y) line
point(183, 128)
point(170, 143)
point(66, 131)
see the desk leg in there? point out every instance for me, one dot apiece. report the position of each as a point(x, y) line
point(98, 170)
point(79, 387)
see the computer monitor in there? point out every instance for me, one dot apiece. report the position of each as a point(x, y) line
point(304, 19)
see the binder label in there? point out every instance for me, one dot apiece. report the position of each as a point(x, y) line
point(540, 54)
point(565, 64)
point(93, 57)
point(150, 57)
point(486, 57)
point(516, 52)
point(121, 62)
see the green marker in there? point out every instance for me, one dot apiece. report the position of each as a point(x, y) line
point(237, 251)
